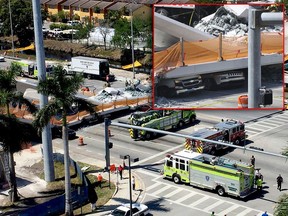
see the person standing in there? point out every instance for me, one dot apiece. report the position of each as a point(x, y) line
point(252, 160)
point(120, 169)
point(279, 182)
point(100, 178)
point(213, 213)
point(92, 196)
point(133, 182)
point(259, 183)
point(265, 214)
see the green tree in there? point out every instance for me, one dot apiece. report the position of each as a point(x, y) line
point(22, 20)
point(122, 35)
point(63, 89)
point(9, 125)
point(281, 209)
point(104, 28)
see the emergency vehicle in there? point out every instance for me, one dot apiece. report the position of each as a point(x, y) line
point(225, 176)
point(29, 68)
point(231, 131)
point(163, 120)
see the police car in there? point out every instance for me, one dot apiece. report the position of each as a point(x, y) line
point(138, 209)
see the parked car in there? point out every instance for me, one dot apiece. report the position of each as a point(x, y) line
point(2, 59)
point(124, 210)
point(55, 32)
point(57, 132)
point(73, 22)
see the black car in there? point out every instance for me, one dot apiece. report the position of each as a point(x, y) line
point(57, 133)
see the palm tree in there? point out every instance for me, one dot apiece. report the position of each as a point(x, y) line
point(63, 89)
point(10, 124)
point(281, 209)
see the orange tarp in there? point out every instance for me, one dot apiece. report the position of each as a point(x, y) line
point(207, 51)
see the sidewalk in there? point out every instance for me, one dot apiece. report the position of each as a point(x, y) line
point(29, 184)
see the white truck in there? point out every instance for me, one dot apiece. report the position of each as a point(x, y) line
point(90, 68)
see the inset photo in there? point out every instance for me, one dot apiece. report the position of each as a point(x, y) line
point(218, 56)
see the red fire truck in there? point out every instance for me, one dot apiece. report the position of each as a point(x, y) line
point(231, 131)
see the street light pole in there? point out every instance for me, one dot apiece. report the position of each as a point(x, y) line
point(130, 189)
point(132, 40)
point(11, 26)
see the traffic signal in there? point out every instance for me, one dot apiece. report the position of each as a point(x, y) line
point(110, 145)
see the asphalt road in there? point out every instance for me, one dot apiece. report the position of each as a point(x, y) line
point(265, 129)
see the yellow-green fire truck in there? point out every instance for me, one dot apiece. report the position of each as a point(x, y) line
point(162, 120)
point(29, 68)
point(220, 174)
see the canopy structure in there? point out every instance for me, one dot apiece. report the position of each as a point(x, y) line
point(208, 51)
point(136, 64)
point(30, 47)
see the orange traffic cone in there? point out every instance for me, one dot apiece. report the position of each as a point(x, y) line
point(81, 141)
point(109, 133)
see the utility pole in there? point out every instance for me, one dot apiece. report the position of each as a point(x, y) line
point(11, 27)
point(40, 56)
point(132, 39)
point(107, 122)
point(256, 19)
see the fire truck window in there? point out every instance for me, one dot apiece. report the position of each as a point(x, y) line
point(187, 165)
point(234, 130)
point(242, 127)
point(177, 163)
point(169, 163)
point(182, 164)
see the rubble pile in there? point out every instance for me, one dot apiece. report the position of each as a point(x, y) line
point(136, 89)
point(225, 21)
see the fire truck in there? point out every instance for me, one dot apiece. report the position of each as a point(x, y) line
point(162, 120)
point(231, 131)
point(225, 176)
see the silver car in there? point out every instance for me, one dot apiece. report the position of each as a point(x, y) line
point(138, 209)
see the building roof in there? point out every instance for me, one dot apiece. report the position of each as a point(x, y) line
point(54, 2)
point(117, 6)
point(79, 3)
point(134, 6)
point(103, 4)
point(90, 4)
point(180, 1)
point(166, 1)
point(44, 1)
point(69, 2)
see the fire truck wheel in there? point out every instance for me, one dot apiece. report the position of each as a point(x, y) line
point(148, 135)
point(220, 191)
point(22, 74)
point(237, 141)
point(180, 124)
point(192, 119)
point(176, 179)
point(213, 151)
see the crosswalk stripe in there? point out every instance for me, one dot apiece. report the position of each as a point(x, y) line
point(261, 126)
point(281, 119)
point(245, 212)
point(153, 186)
point(269, 125)
point(190, 194)
point(173, 193)
point(231, 208)
point(200, 200)
point(161, 190)
point(210, 208)
point(273, 121)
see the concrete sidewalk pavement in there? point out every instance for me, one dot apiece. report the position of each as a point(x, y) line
point(29, 184)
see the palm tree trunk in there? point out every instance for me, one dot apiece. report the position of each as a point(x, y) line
point(13, 193)
point(68, 199)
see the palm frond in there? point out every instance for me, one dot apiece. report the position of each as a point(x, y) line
point(44, 115)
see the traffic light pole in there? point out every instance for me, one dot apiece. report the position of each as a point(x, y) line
point(107, 122)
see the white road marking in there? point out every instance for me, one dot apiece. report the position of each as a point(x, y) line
point(203, 199)
point(173, 193)
point(231, 208)
point(149, 173)
point(210, 207)
point(153, 186)
point(245, 212)
point(190, 194)
point(161, 190)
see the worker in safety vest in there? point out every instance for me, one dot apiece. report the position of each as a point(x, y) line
point(259, 184)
